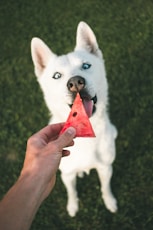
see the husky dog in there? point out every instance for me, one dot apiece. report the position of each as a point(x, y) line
point(60, 78)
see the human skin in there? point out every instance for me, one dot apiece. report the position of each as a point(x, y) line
point(37, 178)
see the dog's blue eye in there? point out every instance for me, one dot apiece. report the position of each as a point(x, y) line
point(86, 66)
point(57, 75)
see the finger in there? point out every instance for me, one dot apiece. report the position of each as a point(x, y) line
point(66, 138)
point(65, 153)
point(70, 144)
point(49, 132)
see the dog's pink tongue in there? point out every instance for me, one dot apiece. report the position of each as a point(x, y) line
point(88, 105)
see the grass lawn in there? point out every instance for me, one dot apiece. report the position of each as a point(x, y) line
point(124, 30)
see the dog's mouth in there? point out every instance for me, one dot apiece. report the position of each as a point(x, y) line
point(89, 104)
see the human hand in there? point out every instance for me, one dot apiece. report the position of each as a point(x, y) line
point(43, 155)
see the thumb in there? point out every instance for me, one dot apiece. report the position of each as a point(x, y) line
point(66, 138)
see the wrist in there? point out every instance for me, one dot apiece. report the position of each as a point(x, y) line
point(37, 184)
point(31, 182)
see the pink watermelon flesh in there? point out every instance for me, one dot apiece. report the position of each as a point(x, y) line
point(78, 118)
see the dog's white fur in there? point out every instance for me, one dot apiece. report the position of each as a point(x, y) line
point(87, 153)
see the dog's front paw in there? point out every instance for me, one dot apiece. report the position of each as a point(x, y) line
point(111, 204)
point(72, 209)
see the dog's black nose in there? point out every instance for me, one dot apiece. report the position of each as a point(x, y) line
point(76, 84)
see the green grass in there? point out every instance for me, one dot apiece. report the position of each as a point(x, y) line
point(124, 30)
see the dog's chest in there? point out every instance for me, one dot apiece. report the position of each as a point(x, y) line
point(83, 156)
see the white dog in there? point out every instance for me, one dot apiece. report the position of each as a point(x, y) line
point(60, 77)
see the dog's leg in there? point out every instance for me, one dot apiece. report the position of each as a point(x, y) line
point(105, 174)
point(69, 181)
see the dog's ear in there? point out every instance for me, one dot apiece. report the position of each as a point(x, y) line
point(86, 39)
point(41, 54)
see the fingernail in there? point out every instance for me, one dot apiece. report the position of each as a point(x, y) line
point(71, 131)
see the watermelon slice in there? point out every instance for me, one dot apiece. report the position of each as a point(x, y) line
point(78, 119)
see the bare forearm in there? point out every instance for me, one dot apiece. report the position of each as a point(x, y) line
point(20, 204)
point(37, 179)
